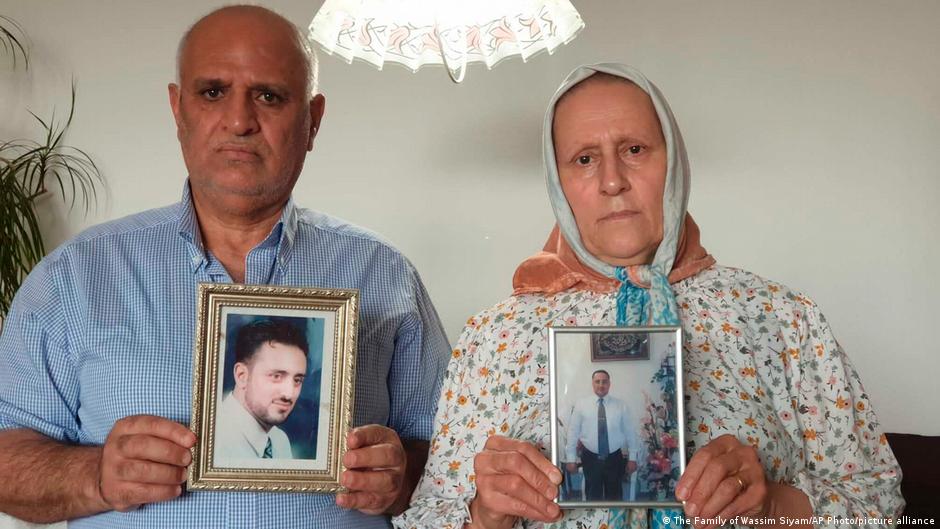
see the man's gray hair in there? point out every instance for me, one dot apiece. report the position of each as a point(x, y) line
point(311, 63)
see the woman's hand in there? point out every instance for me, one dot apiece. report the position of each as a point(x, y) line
point(724, 479)
point(513, 480)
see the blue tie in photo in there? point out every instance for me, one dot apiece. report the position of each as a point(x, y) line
point(602, 444)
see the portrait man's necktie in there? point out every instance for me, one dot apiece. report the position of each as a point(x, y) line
point(268, 450)
point(602, 444)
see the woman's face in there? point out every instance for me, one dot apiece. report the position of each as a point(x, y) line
point(611, 160)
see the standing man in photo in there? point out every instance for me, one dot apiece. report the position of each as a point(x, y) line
point(603, 426)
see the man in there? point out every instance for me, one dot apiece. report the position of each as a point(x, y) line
point(270, 367)
point(96, 352)
point(603, 426)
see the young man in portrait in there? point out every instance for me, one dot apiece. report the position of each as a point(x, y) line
point(270, 368)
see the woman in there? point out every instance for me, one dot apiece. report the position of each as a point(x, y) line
point(779, 417)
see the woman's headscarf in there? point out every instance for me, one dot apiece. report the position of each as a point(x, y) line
point(644, 293)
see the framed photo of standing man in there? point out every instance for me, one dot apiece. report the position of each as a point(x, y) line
point(273, 383)
point(617, 419)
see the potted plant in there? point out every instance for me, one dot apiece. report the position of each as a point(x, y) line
point(26, 168)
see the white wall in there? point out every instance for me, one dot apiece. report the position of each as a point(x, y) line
point(812, 129)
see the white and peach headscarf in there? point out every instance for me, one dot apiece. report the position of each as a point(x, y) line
point(644, 295)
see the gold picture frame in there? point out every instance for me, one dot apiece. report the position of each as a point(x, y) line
point(327, 318)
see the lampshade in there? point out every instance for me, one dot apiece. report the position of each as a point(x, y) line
point(454, 33)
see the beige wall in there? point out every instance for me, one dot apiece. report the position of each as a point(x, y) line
point(812, 129)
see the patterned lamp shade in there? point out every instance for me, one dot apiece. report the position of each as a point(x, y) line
point(453, 33)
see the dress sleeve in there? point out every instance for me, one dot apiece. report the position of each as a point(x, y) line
point(414, 380)
point(848, 468)
point(467, 414)
point(38, 378)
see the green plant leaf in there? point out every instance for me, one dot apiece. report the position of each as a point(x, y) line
point(25, 168)
point(9, 29)
point(22, 242)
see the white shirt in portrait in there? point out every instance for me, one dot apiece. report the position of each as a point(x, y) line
point(238, 436)
point(621, 430)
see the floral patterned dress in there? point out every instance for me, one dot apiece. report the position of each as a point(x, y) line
point(760, 363)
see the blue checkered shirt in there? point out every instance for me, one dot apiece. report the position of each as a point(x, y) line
point(103, 328)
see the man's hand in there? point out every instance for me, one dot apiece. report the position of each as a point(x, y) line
point(631, 467)
point(143, 460)
point(375, 467)
point(513, 480)
point(724, 479)
point(572, 467)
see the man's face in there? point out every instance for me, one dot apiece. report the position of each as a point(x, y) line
point(601, 383)
point(611, 160)
point(244, 118)
point(271, 381)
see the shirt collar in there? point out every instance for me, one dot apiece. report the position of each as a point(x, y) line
point(286, 230)
point(245, 423)
point(282, 235)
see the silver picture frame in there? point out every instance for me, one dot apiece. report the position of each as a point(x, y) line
point(650, 485)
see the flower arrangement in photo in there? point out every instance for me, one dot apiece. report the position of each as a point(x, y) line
point(660, 433)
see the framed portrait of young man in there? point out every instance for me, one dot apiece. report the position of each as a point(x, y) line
point(273, 386)
point(617, 427)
